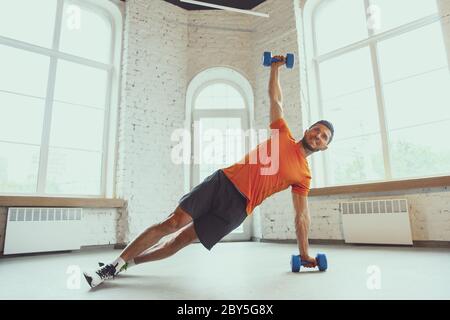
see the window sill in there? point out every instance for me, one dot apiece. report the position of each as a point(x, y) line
point(383, 186)
point(31, 201)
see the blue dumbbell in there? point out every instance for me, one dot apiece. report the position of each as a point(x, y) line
point(268, 60)
point(321, 260)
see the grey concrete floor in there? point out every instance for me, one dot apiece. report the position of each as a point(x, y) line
point(237, 270)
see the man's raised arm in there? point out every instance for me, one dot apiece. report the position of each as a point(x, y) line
point(275, 94)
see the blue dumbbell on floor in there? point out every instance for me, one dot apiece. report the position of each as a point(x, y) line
point(268, 60)
point(321, 260)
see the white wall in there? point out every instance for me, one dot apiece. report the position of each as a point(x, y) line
point(100, 227)
point(444, 8)
point(153, 89)
point(218, 38)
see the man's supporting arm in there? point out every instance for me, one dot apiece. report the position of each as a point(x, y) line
point(302, 223)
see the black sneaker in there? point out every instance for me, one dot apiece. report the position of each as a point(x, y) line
point(124, 267)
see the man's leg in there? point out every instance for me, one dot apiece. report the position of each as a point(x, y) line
point(179, 240)
point(174, 222)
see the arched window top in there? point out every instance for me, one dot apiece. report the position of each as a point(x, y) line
point(231, 84)
point(219, 95)
point(339, 23)
point(86, 32)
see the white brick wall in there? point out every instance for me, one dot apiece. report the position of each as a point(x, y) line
point(100, 226)
point(153, 89)
point(444, 8)
point(218, 38)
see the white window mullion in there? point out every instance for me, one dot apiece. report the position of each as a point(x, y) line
point(324, 160)
point(53, 53)
point(45, 139)
point(106, 137)
point(384, 131)
point(318, 161)
point(107, 187)
point(381, 111)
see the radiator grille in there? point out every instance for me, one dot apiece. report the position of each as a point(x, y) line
point(375, 206)
point(44, 214)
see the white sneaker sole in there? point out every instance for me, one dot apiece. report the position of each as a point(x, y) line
point(90, 280)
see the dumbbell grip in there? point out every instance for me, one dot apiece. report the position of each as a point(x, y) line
point(303, 262)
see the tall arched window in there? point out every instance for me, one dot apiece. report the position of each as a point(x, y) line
point(379, 70)
point(221, 114)
point(59, 61)
point(219, 110)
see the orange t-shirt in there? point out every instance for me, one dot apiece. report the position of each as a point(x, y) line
point(259, 174)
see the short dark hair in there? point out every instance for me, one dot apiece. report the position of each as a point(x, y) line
point(327, 124)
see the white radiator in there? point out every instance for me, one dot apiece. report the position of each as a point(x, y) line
point(31, 230)
point(376, 221)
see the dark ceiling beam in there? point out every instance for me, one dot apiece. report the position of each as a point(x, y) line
point(238, 4)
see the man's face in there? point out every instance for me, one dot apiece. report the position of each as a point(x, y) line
point(317, 137)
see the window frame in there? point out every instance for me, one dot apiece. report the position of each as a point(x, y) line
point(112, 13)
point(320, 165)
point(242, 114)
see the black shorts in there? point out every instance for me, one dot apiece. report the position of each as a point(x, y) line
point(216, 206)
